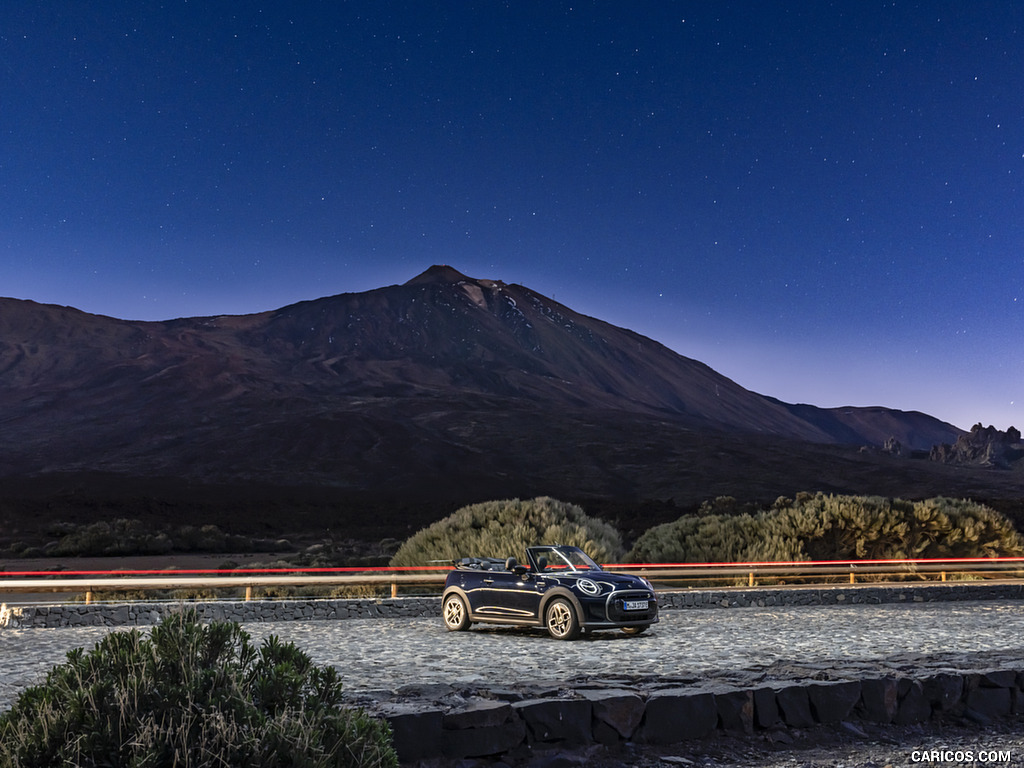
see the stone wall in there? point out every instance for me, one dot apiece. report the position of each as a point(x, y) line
point(142, 613)
point(841, 595)
point(492, 726)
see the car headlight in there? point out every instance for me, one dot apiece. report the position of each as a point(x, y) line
point(589, 587)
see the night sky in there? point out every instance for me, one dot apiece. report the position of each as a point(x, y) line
point(822, 201)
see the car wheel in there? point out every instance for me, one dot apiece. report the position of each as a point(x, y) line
point(634, 630)
point(456, 617)
point(561, 620)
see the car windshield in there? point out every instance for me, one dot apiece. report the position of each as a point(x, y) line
point(562, 559)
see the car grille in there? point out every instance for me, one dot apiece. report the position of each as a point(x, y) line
point(615, 611)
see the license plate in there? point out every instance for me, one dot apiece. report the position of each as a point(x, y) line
point(634, 605)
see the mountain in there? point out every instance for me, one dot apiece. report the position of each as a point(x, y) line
point(445, 387)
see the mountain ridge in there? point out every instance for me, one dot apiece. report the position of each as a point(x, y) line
point(485, 342)
point(445, 385)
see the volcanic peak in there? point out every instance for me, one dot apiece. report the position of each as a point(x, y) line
point(440, 273)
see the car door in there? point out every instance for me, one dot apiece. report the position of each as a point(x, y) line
point(506, 594)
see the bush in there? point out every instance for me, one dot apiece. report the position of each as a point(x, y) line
point(208, 538)
point(119, 537)
point(506, 528)
point(123, 537)
point(828, 527)
point(190, 695)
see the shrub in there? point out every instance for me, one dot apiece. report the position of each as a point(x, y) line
point(119, 537)
point(208, 538)
point(190, 695)
point(829, 527)
point(135, 537)
point(506, 528)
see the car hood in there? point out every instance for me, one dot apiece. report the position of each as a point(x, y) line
point(616, 580)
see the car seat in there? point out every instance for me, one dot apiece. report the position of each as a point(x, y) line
point(511, 563)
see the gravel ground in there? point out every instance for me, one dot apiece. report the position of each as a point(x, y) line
point(736, 645)
point(417, 658)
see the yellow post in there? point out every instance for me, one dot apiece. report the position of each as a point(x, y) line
point(394, 589)
point(852, 578)
point(750, 581)
point(248, 593)
point(943, 575)
point(88, 596)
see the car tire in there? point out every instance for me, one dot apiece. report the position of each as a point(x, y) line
point(561, 620)
point(634, 630)
point(455, 614)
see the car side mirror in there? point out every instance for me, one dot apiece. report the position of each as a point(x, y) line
point(520, 570)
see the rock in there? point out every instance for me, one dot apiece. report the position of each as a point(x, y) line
point(735, 710)
point(982, 446)
point(618, 709)
point(478, 713)
point(795, 706)
point(913, 706)
point(549, 720)
point(990, 703)
point(416, 731)
point(605, 734)
point(849, 727)
point(833, 702)
point(478, 742)
point(766, 708)
point(999, 678)
point(879, 699)
point(678, 714)
point(944, 691)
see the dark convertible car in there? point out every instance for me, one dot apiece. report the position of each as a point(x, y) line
point(560, 588)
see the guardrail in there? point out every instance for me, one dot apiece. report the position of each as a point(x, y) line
point(663, 575)
point(832, 571)
point(90, 582)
